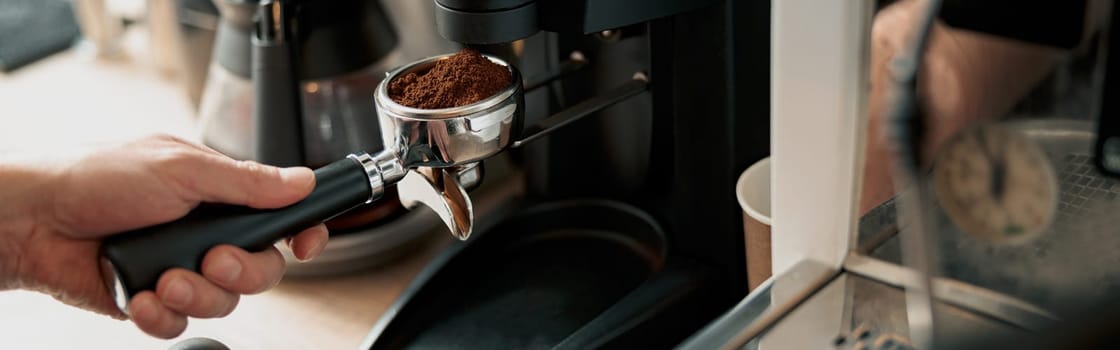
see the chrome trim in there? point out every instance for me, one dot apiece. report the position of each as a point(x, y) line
point(440, 190)
point(759, 311)
point(631, 88)
point(440, 138)
point(373, 172)
point(382, 169)
point(114, 285)
point(980, 300)
point(427, 150)
point(390, 167)
point(468, 175)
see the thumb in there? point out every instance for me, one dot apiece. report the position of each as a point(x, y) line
point(221, 179)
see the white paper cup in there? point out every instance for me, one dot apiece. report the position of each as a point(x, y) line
point(753, 192)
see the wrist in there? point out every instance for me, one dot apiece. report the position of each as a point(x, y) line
point(13, 237)
point(26, 197)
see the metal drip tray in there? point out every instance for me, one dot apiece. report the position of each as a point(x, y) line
point(1071, 267)
point(1033, 294)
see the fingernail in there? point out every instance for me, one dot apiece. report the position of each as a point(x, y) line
point(178, 293)
point(314, 251)
point(296, 176)
point(227, 270)
point(318, 249)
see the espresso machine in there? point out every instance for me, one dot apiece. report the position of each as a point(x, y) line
point(934, 267)
point(627, 121)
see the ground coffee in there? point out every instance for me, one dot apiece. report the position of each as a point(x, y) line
point(465, 78)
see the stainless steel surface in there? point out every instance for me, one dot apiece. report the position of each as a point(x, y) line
point(390, 167)
point(919, 254)
point(576, 61)
point(388, 240)
point(848, 311)
point(913, 193)
point(469, 175)
point(441, 138)
point(995, 183)
point(812, 325)
point(1070, 266)
point(762, 308)
point(998, 306)
point(638, 84)
point(112, 280)
point(382, 170)
point(440, 190)
point(1073, 263)
point(879, 321)
point(872, 310)
point(986, 289)
point(373, 172)
point(440, 145)
point(436, 188)
point(877, 232)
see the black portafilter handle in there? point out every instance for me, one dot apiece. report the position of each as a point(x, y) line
point(133, 261)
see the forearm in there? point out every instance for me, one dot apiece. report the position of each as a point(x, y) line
point(969, 77)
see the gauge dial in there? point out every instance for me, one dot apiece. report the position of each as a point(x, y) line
point(995, 183)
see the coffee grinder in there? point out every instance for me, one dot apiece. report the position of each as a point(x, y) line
point(917, 272)
point(628, 235)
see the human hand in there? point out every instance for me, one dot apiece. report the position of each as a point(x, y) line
point(964, 77)
point(140, 184)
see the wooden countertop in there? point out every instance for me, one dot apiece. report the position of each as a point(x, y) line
point(69, 100)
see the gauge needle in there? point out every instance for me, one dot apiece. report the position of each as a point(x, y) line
point(998, 169)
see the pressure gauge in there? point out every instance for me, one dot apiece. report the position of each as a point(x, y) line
point(995, 183)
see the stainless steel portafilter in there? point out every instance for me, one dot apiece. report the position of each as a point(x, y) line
point(430, 154)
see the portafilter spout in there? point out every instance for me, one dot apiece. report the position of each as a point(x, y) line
point(432, 155)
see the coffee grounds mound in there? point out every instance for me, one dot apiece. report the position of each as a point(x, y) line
point(464, 78)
